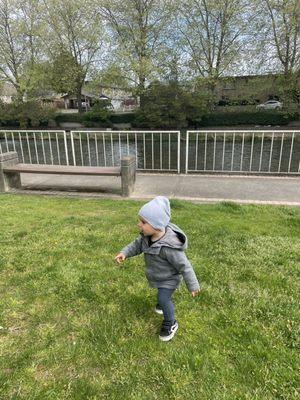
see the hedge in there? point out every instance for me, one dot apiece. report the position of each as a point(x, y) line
point(29, 114)
point(69, 118)
point(85, 118)
point(127, 118)
point(247, 118)
point(214, 119)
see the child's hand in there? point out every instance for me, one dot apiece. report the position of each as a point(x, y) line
point(195, 292)
point(120, 258)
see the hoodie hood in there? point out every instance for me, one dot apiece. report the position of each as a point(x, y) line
point(156, 212)
point(174, 238)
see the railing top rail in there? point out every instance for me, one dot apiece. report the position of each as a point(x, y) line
point(33, 130)
point(246, 130)
point(157, 131)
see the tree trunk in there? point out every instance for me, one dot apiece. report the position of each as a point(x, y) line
point(141, 91)
point(78, 95)
point(20, 94)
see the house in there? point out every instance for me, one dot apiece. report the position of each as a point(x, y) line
point(120, 99)
point(71, 102)
point(248, 88)
point(7, 92)
point(51, 99)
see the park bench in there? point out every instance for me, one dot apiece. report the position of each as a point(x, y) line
point(10, 170)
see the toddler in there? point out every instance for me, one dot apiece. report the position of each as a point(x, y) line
point(163, 245)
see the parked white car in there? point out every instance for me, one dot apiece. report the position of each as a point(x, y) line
point(270, 105)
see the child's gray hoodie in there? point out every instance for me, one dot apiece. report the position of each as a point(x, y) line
point(166, 262)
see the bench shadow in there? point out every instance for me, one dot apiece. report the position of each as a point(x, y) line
point(86, 189)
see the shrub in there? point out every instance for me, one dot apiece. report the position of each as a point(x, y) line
point(99, 115)
point(93, 119)
point(30, 114)
point(171, 106)
point(69, 118)
point(128, 118)
point(236, 102)
point(247, 118)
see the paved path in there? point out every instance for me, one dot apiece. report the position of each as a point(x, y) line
point(198, 188)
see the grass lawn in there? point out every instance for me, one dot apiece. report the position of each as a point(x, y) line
point(73, 325)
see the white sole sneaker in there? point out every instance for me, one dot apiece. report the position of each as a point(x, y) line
point(171, 335)
point(158, 311)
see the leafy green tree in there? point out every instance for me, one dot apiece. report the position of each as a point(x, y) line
point(110, 76)
point(65, 73)
point(29, 114)
point(280, 26)
point(280, 33)
point(20, 43)
point(289, 91)
point(100, 113)
point(138, 28)
point(171, 106)
point(75, 36)
point(212, 35)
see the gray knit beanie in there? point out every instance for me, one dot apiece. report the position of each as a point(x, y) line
point(156, 212)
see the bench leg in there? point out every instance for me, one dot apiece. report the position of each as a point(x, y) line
point(12, 181)
point(128, 173)
point(8, 181)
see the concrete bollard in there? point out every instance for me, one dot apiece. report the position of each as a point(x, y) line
point(8, 181)
point(128, 173)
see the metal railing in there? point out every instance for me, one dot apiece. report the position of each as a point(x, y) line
point(257, 152)
point(240, 152)
point(154, 150)
point(36, 146)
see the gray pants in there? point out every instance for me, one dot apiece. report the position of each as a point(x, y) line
point(164, 299)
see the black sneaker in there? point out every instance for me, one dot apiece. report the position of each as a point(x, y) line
point(167, 330)
point(158, 309)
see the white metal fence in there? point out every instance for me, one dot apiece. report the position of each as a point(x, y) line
point(154, 150)
point(36, 146)
point(243, 152)
point(258, 152)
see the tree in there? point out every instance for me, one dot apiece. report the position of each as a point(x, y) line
point(19, 43)
point(282, 32)
point(138, 26)
point(75, 39)
point(65, 72)
point(171, 106)
point(212, 35)
point(277, 34)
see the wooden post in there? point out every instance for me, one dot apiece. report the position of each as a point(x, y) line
point(8, 181)
point(128, 173)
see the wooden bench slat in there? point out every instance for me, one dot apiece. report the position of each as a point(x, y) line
point(63, 169)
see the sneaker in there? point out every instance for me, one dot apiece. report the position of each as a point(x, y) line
point(158, 309)
point(167, 331)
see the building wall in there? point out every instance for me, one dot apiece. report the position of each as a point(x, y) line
point(260, 88)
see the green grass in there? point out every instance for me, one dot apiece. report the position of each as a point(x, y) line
point(76, 326)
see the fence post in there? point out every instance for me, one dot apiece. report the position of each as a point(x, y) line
point(66, 147)
point(178, 153)
point(9, 180)
point(128, 173)
point(187, 152)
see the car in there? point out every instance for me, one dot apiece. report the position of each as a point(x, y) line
point(270, 105)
